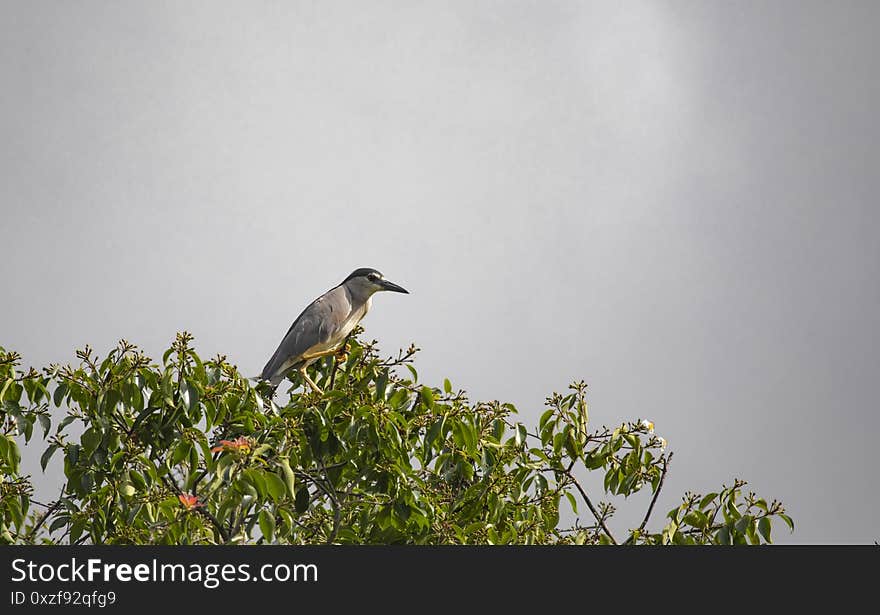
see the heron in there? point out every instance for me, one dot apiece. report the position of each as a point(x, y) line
point(324, 326)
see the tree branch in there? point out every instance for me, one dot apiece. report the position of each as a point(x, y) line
point(653, 501)
point(592, 508)
point(50, 510)
point(334, 501)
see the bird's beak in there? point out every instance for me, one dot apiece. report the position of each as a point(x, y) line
point(386, 285)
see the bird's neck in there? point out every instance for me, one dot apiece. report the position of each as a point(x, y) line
point(359, 299)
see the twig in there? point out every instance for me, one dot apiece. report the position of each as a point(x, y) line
point(214, 521)
point(653, 501)
point(49, 511)
point(337, 519)
point(593, 510)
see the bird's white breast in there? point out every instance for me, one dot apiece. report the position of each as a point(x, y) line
point(352, 321)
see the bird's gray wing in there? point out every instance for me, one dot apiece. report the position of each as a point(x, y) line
point(314, 326)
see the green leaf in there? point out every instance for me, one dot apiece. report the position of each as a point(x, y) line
point(192, 396)
point(381, 385)
point(267, 525)
point(787, 520)
point(520, 435)
point(137, 480)
point(193, 459)
point(427, 397)
point(14, 410)
point(742, 524)
point(64, 423)
point(58, 522)
point(447, 386)
point(76, 529)
point(764, 528)
point(398, 398)
point(544, 418)
point(47, 455)
point(571, 446)
point(465, 436)
point(90, 440)
point(181, 452)
point(73, 453)
point(572, 501)
point(6, 385)
point(708, 499)
point(696, 519)
point(275, 485)
point(289, 478)
point(135, 397)
point(13, 509)
point(60, 392)
point(13, 455)
point(595, 460)
point(301, 503)
point(45, 423)
point(723, 537)
point(255, 478)
point(116, 460)
point(28, 428)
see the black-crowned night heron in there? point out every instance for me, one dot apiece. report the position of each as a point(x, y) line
point(323, 327)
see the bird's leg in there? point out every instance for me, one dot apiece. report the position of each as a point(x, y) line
point(342, 353)
point(340, 357)
point(311, 382)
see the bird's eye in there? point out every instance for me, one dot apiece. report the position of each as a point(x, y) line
point(372, 277)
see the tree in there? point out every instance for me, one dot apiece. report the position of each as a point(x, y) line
point(190, 451)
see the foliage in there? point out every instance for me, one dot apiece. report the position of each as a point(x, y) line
point(190, 451)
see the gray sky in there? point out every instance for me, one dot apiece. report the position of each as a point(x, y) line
point(675, 201)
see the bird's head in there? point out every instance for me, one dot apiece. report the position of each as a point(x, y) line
point(366, 281)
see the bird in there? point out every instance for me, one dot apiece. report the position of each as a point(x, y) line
point(324, 326)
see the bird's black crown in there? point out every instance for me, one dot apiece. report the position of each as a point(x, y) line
point(361, 273)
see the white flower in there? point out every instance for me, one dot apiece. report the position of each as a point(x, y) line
point(662, 442)
point(648, 425)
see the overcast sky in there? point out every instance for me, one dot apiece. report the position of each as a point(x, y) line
point(675, 201)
